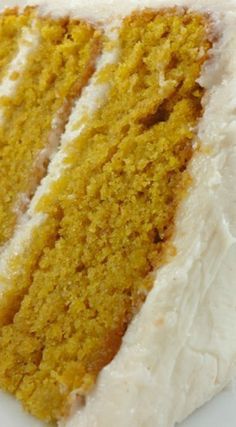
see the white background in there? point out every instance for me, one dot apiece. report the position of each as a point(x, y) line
point(220, 412)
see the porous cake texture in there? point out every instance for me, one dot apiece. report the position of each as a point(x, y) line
point(115, 208)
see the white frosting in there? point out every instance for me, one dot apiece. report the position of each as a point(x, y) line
point(104, 10)
point(181, 348)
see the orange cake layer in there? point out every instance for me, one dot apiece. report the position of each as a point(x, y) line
point(54, 74)
point(109, 217)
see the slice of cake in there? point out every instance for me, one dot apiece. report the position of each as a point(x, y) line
point(117, 208)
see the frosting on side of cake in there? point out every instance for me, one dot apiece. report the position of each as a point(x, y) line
point(180, 323)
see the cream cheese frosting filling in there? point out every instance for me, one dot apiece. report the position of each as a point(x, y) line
point(148, 375)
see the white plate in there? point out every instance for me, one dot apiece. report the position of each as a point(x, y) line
point(220, 412)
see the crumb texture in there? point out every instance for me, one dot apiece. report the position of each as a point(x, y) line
point(110, 215)
point(53, 75)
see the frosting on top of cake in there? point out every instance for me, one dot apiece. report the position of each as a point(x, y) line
point(104, 10)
